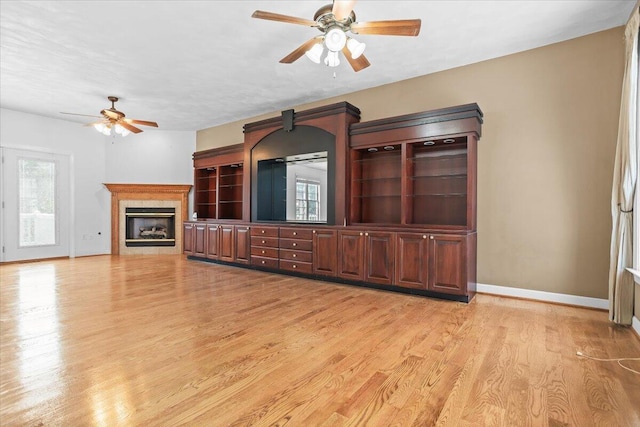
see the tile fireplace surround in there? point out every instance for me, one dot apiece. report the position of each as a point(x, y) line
point(146, 195)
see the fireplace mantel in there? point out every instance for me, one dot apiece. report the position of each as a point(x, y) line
point(145, 192)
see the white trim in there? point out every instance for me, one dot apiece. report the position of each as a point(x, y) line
point(635, 324)
point(599, 303)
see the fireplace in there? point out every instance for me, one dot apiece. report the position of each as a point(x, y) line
point(153, 226)
point(158, 209)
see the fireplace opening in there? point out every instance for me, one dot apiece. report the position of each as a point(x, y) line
point(150, 227)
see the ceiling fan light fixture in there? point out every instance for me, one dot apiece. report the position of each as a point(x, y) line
point(315, 53)
point(99, 127)
point(335, 39)
point(355, 47)
point(332, 59)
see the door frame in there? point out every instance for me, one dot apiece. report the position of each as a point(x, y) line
point(72, 213)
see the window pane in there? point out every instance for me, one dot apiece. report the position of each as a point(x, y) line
point(36, 183)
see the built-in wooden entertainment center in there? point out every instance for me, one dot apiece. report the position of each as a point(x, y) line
point(389, 203)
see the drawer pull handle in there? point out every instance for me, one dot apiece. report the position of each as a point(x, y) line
point(424, 236)
point(294, 255)
point(366, 234)
point(314, 231)
point(262, 251)
point(431, 237)
point(295, 266)
point(263, 241)
point(361, 234)
point(295, 234)
point(262, 231)
point(295, 244)
point(263, 262)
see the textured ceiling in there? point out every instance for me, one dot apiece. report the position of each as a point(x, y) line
point(190, 65)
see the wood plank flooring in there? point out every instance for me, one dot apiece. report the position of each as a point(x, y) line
point(162, 341)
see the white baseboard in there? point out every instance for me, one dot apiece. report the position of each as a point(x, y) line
point(635, 324)
point(544, 296)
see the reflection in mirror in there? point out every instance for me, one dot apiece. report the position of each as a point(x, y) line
point(293, 188)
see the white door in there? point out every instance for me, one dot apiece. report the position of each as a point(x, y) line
point(36, 205)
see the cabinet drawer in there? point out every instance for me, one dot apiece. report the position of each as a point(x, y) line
point(271, 242)
point(296, 233)
point(301, 256)
point(264, 262)
point(264, 252)
point(302, 245)
point(302, 267)
point(264, 231)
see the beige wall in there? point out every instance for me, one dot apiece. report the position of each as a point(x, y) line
point(545, 157)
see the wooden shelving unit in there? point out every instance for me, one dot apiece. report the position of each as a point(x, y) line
point(219, 181)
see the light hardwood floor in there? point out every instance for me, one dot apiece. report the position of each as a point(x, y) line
point(159, 340)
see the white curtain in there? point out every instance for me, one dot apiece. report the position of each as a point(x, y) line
point(621, 283)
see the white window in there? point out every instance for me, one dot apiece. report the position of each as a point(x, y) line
point(307, 200)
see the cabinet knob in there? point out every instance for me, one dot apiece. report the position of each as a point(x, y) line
point(262, 231)
point(431, 237)
point(262, 261)
point(263, 252)
point(248, 228)
point(361, 234)
point(294, 255)
point(263, 241)
point(295, 266)
point(424, 236)
point(294, 244)
point(314, 231)
point(366, 234)
point(295, 234)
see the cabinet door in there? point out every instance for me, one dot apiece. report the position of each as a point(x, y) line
point(242, 244)
point(325, 252)
point(380, 257)
point(188, 236)
point(447, 264)
point(212, 241)
point(351, 255)
point(412, 261)
point(226, 245)
point(200, 241)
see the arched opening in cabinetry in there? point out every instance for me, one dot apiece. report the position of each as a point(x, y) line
point(293, 176)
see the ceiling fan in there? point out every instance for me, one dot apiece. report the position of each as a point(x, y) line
point(334, 21)
point(115, 120)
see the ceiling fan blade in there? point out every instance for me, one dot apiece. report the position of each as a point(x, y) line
point(296, 54)
point(404, 27)
point(84, 115)
point(270, 16)
point(342, 8)
point(129, 127)
point(141, 122)
point(360, 63)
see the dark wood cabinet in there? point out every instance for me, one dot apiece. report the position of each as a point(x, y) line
point(213, 242)
point(242, 244)
point(401, 200)
point(351, 254)
point(412, 263)
point(226, 247)
point(200, 240)
point(325, 252)
point(188, 236)
point(447, 264)
point(379, 257)
point(296, 249)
